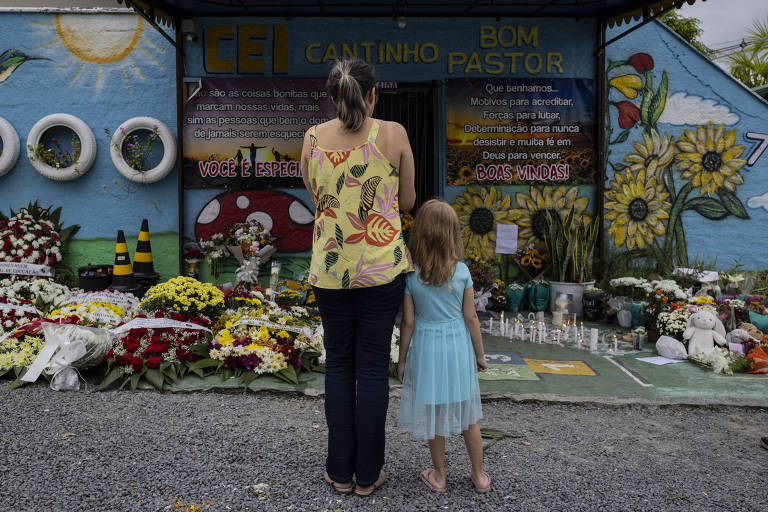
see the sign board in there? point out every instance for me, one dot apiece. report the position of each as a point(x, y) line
point(560, 367)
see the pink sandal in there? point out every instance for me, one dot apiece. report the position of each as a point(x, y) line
point(485, 489)
point(432, 487)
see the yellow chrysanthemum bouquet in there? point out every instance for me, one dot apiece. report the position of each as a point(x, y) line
point(185, 295)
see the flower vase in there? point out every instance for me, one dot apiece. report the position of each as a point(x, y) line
point(515, 297)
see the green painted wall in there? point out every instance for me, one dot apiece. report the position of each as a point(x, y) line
point(100, 251)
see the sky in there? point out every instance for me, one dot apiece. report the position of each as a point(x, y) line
point(725, 22)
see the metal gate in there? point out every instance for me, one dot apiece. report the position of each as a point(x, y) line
point(414, 105)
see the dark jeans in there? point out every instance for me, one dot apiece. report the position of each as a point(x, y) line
point(358, 329)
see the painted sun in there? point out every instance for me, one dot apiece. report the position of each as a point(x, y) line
point(98, 45)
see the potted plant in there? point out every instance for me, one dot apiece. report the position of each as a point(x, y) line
point(571, 246)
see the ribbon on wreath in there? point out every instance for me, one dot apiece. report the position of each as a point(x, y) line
point(156, 323)
point(259, 322)
point(26, 269)
point(18, 307)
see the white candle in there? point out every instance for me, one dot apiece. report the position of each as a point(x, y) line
point(615, 343)
point(593, 339)
point(490, 325)
point(557, 318)
point(582, 330)
point(533, 332)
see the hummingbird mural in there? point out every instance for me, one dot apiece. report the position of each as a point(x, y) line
point(10, 60)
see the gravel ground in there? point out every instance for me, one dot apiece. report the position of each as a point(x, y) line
point(123, 451)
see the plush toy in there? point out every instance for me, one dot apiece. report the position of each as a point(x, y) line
point(703, 331)
point(737, 336)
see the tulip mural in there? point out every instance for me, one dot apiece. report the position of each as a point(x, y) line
point(666, 174)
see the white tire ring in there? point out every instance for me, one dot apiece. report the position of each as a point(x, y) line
point(11, 146)
point(169, 150)
point(87, 147)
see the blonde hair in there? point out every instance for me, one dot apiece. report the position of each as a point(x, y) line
point(349, 83)
point(435, 242)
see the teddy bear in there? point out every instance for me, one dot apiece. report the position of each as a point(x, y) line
point(703, 331)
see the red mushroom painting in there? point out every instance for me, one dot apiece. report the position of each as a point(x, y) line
point(285, 216)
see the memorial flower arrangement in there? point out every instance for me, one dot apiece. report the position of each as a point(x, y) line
point(184, 295)
point(720, 360)
point(93, 314)
point(673, 323)
point(263, 338)
point(251, 236)
point(24, 239)
point(20, 348)
point(665, 297)
point(632, 287)
point(15, 315)
point(36, 235)
point(18, 351)
point(157, 355)
point(41, 293)
point(215, 252)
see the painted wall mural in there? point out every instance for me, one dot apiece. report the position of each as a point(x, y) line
point(104, 69)
point(681, 155)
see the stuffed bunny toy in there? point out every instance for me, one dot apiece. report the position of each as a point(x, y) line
point(703, 331)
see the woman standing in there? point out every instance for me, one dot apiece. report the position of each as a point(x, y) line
point(359, 172)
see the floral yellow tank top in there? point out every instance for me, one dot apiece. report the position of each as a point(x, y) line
point(358, 241)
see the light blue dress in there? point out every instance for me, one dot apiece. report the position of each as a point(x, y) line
point(441, 394)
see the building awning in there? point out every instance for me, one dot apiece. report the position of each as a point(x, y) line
point(614, 12)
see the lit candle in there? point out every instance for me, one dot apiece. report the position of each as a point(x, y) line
point(615, 343)
point(501, 328)
point(558, 336)
point(533, 332)
point(582, 330)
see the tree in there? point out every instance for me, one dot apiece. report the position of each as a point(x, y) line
point(689, 28)
point(750, 65)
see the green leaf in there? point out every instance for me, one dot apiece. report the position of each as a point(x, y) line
point(200, 349)
point(135, 380)
point(17, 384)
point(732, 203)
point(203, 363)
point(645, 103)
point(358, 170)
point(623, 136)
point(681, 247)
point(362, 214)
point(398, 255)
point(339, 237)
point(340, 183)
point(331, 259)
point(288, 375)
point(619, 166)
point(669, 181)
point(155, 377)
point(659, 100)
point(707, 207)
point(345, 280)
point(317, 232)
point(246, 378)
point(111, 377)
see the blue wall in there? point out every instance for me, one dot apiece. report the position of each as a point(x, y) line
point(134, 76)
point(723, 225)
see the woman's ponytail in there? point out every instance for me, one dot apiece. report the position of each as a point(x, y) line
point(349, 83)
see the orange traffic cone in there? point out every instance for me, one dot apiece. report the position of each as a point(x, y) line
point(122, 273)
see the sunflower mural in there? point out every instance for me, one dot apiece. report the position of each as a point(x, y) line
point(480, 209)
point(635, 207)
point(530, 213)
point(644, 205)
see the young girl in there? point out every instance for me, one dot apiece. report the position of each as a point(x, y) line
point(441, 395)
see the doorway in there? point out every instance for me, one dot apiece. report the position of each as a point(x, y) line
point(414, 105)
